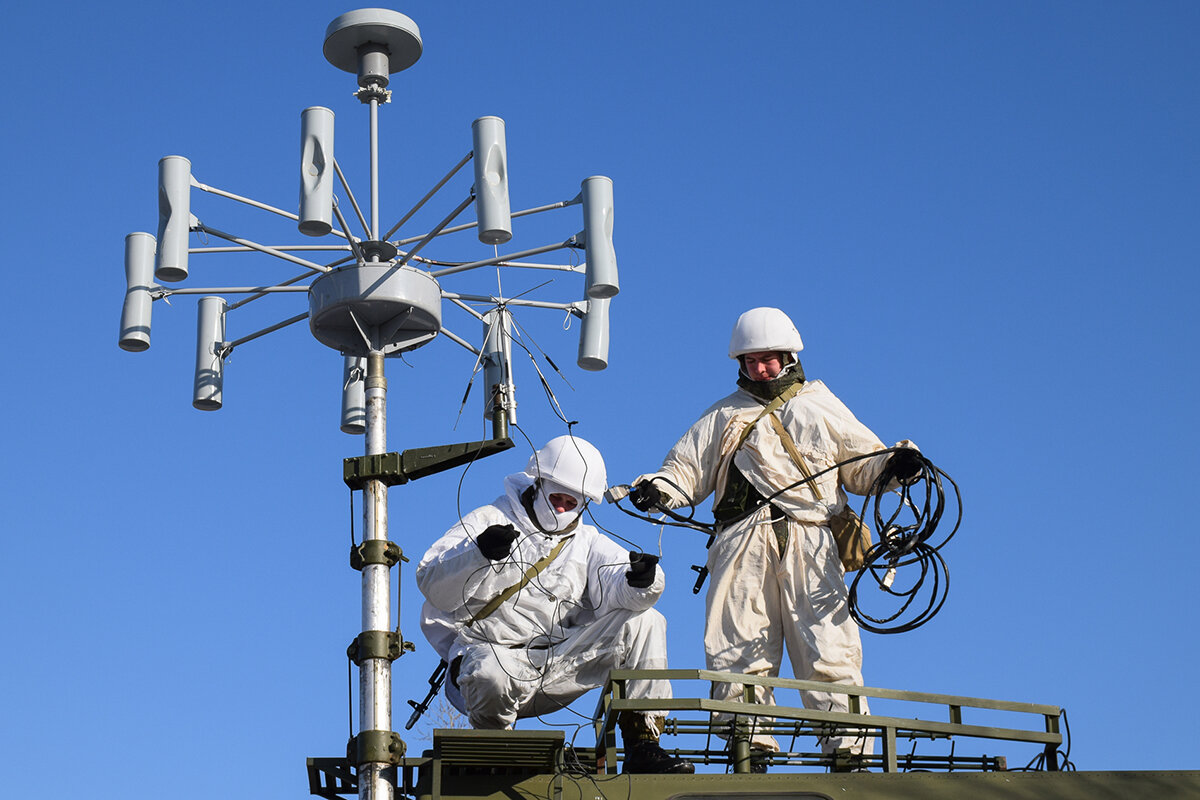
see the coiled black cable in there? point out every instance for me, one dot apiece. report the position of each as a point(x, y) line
point(906, 520)
point(906, 515)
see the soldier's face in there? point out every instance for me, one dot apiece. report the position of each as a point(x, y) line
point(762, 366)
point(562, 502)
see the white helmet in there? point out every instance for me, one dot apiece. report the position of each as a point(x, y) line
point(762, 330)
point(572, 463)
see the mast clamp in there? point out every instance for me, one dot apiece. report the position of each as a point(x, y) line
point(375, 747)
point(377, 644)
point(376, 551)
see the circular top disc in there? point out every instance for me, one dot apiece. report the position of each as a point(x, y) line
point(382, 26)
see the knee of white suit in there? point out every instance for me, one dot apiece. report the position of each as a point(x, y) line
point(645, 641)
point(490, 693)
point(644, 637)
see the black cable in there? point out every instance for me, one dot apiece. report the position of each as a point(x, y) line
point(1038, 762)
point(677, 520)
point(906, 520)
point(905, 515)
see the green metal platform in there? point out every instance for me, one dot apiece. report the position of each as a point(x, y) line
point(504, 765)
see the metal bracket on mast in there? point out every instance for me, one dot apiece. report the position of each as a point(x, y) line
point(378, 747)
point(377, 644)
point(376, 551)
point(394, 469)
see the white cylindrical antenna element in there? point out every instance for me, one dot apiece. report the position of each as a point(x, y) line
point(174, 218)
point(354, 395)
point(601, 267)
point(491, 180)
point(593, 336)
point(316, 171)
point(496, 359)
point(139, 277)
point(210, 363)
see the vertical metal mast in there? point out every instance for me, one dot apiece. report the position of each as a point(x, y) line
point(375, 43)
point(375, 674)
point(374, 170)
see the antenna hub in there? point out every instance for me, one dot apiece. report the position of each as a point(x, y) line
point(366, 308)
point(378, 251)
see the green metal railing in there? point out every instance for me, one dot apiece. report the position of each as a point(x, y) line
point(735, 722)
point(474, 760)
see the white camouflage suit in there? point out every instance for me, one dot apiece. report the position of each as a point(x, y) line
point(759, 600)
point(550, 642)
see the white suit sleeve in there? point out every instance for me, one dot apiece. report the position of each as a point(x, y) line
point(852, 439)
point(452, 569)
point(690, 468)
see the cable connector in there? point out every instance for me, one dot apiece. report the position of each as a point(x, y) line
point(888, 578)
point(615, 493)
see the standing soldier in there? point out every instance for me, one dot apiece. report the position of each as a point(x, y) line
point(777, 578)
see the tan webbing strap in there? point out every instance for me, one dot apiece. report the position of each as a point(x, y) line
point(851, 534)
point(790, 445)
point(769, 408)
point(529, 575)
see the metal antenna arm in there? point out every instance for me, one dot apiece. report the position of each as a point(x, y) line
point(429, 236)
point(262, 248)
point(227, 347)
point(277, 288)
point(556, 267)
point(430, 194)
point(350, 194)
point(526, 212)
point(459, 340)
point(286, 248)
point(358, 253)
point(522, 264)
point(230, 195)
point(260, 290)
point(487, 262)
point(455, 297)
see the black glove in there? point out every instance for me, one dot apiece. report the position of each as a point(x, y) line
point(906, 464)
point(645, 496)
point(496, 541)
point(641, 569)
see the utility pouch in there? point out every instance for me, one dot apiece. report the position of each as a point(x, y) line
point(853, 537)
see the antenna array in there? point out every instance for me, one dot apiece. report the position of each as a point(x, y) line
point(380, 296)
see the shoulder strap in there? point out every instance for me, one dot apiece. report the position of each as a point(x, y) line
point(529, 575)
point(789, 444)
point(769, 409)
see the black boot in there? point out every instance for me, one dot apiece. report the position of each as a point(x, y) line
point(642, 753)
point(647, 757)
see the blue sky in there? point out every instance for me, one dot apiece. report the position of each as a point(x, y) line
point(981, 216)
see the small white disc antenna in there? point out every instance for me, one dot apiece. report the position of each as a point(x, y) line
point(347, 35)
